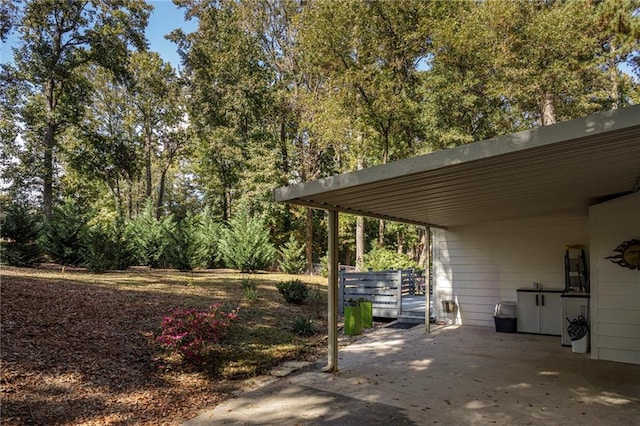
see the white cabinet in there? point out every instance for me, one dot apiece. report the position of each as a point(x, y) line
point(539, 311)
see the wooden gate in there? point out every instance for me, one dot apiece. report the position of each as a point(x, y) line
point(384, 289)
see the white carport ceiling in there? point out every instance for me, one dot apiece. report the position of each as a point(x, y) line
point(559, 169)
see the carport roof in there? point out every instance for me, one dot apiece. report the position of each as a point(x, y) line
point(558, 169)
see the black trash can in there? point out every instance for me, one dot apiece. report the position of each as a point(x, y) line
point(578, 330)
point(505, 317)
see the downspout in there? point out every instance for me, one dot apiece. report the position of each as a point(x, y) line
point(332, 299)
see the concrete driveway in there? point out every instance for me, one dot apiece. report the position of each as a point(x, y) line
point(456, 376)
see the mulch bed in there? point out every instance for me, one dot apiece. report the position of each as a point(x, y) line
point(75, 353)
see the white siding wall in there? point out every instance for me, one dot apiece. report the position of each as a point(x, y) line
point(480, 265)
point(615, 291)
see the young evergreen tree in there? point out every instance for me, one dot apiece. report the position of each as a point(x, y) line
point(244, 244)
point(207, 235)
point(62, 238)
point(149, 237)
point(19, 229)
point(105, 245)
point(183, 248)
point(292, 259)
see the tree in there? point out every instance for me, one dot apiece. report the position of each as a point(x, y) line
point(227, 93)
point(62, 239)
point(244, 244)
point(19, 229)
point(157, 96)
point(58, 38)
point(150, 237)
point(291, 259)
point(105, 144)
point(617, 31)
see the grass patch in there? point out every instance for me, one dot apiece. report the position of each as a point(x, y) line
point(98, 330)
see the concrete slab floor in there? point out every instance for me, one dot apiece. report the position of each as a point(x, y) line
point(457, 375)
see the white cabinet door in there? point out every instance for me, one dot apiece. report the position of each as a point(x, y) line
point(550, 313)
point(528, 312)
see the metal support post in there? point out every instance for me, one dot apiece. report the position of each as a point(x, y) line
point(332, 364)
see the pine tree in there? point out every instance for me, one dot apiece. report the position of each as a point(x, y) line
point(292, 259)
point(245, 243)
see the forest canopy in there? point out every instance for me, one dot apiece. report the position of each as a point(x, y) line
point(109, 156)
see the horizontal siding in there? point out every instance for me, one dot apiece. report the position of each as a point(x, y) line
point(624, 343)
point(619, 330)
point(619, 355)
point(615, 289)
point(479, 266)
point(618, 316)
point(622, 302)
point(618, 288)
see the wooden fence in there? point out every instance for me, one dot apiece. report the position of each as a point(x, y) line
point(384, 288)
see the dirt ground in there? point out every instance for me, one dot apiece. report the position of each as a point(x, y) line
point(73, 353)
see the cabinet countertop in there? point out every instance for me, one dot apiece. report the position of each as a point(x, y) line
point(541, 290)
point(576, 294)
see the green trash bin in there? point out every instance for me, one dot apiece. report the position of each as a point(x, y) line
point(352, 320)
point(366, 307)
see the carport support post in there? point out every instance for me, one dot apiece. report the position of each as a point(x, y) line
point(427, 282)
point(332, 365)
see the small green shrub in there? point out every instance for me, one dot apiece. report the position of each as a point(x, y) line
point(250, 289)
point(316, 297)
point(324, 266)
point(294, 291)
point(303, 326)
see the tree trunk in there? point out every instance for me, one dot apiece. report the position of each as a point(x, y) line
point(359, 242)
point(147, 157)
point(381, 228)
point(130, 201)
point(613, 76)
point(548, 112)
point(49, 144)
point(424, 249)
point(163, 178)
point(47, 178)
point(385, 160)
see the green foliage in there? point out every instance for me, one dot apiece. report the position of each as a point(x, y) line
point(184, 247)
point(380, 259)
point(106, 247)
point(244, 244)
point(316, 297)
point(208, 234)
point(303, 326)
point(62, 239)
point(149, 237)
point(292, 260)
point(294, 291)
point(19, 228)
point(57, 40)
point(250, 289)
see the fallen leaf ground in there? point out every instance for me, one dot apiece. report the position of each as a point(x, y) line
point(77, 348)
